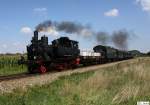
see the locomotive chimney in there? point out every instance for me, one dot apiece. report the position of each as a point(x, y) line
point(36, 35)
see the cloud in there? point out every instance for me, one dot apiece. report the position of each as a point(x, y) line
point(42, 12)
point(86, 32)
point(26, 30)
point(13, 47)
point(50, 31)
point(16, 44)
point(112, 13)
point(4, 46)
point(145, 4)
point(40, 9)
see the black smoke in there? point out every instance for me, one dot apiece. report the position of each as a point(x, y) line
point(65, 26)
point(44, 26)
point(70, 27)
point(120, 39)
point(102, 38)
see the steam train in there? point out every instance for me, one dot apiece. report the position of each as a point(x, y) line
point(65, 53)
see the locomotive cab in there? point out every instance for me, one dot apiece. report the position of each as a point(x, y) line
point(64, 47)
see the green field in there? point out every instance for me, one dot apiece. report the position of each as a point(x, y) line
point(122, 84)
point(9, 65)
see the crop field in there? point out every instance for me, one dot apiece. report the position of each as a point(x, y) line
point(121, 84)
point(9, 65)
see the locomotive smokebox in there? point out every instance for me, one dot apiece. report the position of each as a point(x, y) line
point(36, 35)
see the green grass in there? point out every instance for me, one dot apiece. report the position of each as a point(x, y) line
point(122, 84)
point(9, 65)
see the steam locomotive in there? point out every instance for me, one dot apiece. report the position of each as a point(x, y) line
point(65, 53)
point(62, 53)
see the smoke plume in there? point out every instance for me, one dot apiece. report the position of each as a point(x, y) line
point(120, 39)
point(70, 27)
point(65, 26)
point(102, 38)
point(44, 26)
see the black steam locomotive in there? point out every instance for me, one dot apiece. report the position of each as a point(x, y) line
point(64, 53)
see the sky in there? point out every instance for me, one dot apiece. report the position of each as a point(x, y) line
point(18, 19)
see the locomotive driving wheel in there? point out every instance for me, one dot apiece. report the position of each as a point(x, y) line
point(42, 69)
point(32, 69)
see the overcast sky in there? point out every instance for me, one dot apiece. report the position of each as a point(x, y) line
point(18, 19)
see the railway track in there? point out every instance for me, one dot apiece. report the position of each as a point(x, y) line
point(23, 75)
point(26, 75)
point(15, 76)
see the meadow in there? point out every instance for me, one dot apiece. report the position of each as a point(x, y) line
point(9, 65)
point(122, 84)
